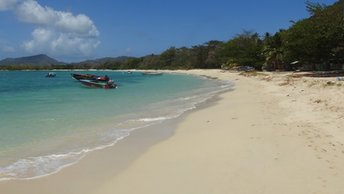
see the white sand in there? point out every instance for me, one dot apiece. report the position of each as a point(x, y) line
point(257, 139)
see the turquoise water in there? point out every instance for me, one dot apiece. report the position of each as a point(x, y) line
point(49, 123)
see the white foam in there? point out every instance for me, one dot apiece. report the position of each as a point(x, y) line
point(41, 166)
point(154, 119)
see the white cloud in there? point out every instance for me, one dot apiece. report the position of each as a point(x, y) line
point(61, 44)
point(57, 32)
point(67, 43)
point(30, 11)
point(7, 4)
point(79, 24)
point(41, 40)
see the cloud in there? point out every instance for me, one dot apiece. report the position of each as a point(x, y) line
point(60, 43)
point(57, 33)
point(41, 40)
point(7, 4)
point(32, 12)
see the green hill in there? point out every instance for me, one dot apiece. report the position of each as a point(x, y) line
point(36, 60)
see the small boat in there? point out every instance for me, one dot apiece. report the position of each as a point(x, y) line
point(151, 73)
point(98, 84)
point(51, 74)
point(102, 78)
point(94, 81)
point(83, 76)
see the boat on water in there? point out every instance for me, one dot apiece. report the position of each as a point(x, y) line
point(151, 73)
point(98, 84)
point(83, 76)
point(51, 74)
point(95, 81)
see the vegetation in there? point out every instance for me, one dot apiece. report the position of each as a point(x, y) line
point(319, 40)
point(38, 60)
point(314, 43)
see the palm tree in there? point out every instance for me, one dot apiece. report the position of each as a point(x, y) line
point(273, 58)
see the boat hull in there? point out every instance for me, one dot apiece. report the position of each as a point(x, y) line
point(152, 73)
point(83, 76)
point(95, 84)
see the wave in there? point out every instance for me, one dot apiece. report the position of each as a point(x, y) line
point(41, 166)
point(154, 119)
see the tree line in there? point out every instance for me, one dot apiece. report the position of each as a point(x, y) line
point(314, 43)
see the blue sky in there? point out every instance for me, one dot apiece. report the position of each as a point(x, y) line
point(73, 30)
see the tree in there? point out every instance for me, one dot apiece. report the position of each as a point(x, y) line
point(244, 49)
point(273, 52)
point(151, 62)
point(185, 59)
point(314, 8)
point(168, 56)
point(319, 39)
point(212, 60)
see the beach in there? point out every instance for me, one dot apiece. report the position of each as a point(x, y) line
point(272, 133)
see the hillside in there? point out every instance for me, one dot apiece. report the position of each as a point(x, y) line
point(36, 60)
point(103, 60)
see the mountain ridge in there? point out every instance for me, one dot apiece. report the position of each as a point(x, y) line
point(35, 60)
point(45, 60)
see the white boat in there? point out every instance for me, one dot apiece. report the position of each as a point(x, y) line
point(151, 73)
point(51, 74)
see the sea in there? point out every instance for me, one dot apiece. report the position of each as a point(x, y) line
point(47, 124)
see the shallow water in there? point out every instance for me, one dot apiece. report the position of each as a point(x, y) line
point(49, 123)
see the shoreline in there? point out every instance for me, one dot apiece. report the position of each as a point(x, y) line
point(262, 137)
point(152, 135)
point(144, 120)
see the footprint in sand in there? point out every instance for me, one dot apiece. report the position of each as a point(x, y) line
point(323, 182)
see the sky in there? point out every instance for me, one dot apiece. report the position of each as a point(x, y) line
point(75, 30)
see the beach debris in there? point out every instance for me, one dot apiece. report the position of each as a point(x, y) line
point(330, 83)
point(317, 101)
point(209, 77)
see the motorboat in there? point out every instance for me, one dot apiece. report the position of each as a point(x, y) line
point(151, 73)
point(95, 81)
point(98, 84)
point(51, 74)
point(83, 76)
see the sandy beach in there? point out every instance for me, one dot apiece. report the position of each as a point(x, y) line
point(273, 133)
